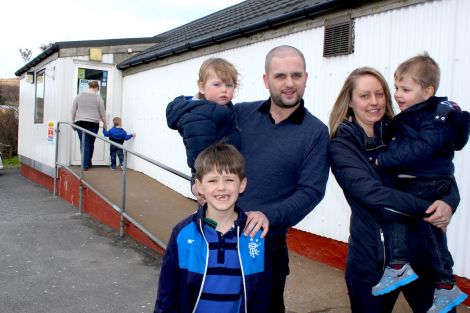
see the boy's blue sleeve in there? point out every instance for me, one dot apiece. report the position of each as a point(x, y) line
point(127, 136)
point(168, 283)
point(105, 132)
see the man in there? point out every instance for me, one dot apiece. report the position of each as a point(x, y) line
point(285, 148)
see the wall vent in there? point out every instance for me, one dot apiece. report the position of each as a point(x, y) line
point(339, 37)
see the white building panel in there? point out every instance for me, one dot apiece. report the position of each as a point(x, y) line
point(382, 40)
point(33, 140)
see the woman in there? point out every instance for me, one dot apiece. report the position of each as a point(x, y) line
point(357, 121)
point(87, 110)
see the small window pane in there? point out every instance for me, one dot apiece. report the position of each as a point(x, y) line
point(39, 103)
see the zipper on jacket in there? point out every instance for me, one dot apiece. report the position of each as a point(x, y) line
point(382, 239)
point(205, 268)
point(241, 267)
point(397, 212)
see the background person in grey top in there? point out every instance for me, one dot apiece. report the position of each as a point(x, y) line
point(87, 111)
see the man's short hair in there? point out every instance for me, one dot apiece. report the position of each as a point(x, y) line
point(223, 158)
point(282, 51)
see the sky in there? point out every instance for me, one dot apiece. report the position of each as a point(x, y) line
point(32, 23)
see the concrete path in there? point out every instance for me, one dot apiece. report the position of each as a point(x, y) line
point(56, 261)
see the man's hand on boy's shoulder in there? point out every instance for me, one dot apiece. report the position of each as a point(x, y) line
point(256, 220)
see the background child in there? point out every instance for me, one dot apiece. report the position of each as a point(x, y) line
point(209, 264)
point(425, 135)
point(209, 117)
point(118, 135)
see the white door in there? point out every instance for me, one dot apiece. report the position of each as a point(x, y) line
point(83, 74)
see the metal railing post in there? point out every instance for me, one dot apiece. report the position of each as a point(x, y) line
point(123, 199)
point(80, 206)
point(56, 169)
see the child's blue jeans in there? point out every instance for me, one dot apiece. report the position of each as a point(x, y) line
point(113, 151)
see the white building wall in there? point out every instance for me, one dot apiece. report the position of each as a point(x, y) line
point(32, 141)
point(382, 40)
point(60, 90)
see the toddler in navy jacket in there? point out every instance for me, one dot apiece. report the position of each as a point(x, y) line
point(118, 135)
point(419, 160)
point(209, 117)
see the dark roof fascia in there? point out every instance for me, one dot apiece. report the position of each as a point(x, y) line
point(217, 38)
point(83, 43)
point(44, 55)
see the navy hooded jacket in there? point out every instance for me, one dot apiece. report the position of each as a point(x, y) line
point(425, 137)
point(352, 155)
point(202, 123)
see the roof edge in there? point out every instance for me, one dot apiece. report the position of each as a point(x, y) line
point(82, 43)
point(217, 38)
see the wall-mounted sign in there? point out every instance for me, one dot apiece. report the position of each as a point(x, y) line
point(95, 54)
point(81, 73)
point(51, 132)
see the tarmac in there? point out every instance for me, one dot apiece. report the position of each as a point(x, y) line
point(58, 261)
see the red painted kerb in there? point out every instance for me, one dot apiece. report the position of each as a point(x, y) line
point(325, 250)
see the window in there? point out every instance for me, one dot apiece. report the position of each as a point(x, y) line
point(39, 101)
point(339, 37)
point(87, 74)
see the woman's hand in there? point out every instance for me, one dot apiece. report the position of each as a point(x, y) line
point(441, 214)
point(255, 221)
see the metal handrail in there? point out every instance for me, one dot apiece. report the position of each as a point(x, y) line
point(120, 209)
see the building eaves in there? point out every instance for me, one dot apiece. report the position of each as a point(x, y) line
point(83, 43)
point(237, 21)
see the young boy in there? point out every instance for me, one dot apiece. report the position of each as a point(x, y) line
point(209, 265)
point(118, 135)
point(208, 118)
point(425, 135)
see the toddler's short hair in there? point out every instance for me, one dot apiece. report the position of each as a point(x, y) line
point(222, 157)
point(422, 69)
point(225, 70)
point(116, 121)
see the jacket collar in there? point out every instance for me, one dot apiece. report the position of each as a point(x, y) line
point(296, 117)
point(200, 214)
point(430, 103)
point(349, 128)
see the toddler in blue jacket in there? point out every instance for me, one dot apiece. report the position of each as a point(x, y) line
point(418, 160)
point(209, 264)
point(118, 135)
point(209, 117)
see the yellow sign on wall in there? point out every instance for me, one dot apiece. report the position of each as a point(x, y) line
point(95, 54)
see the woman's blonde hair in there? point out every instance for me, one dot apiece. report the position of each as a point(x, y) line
point(341, 109)
point(225, 70)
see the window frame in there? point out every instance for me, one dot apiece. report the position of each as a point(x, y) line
point(39, 101)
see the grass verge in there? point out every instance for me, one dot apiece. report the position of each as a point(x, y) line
point(12, 162)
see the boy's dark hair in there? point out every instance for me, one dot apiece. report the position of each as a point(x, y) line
point(222, 157)
point(422, 69)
